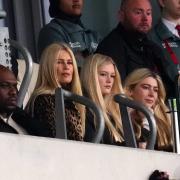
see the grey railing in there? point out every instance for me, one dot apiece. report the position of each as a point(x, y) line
point(60, 95)
point(177, 82)
point(175, 124)
point(2, 14)
point(129, 136)
point(28, 71)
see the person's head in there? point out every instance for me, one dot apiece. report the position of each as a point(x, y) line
point(8, 90)
point(136, 15)
point(100, 81)
point(58, 68)
point(100, 76)
point(145, 86)
point(170, 9)
point(69, 7)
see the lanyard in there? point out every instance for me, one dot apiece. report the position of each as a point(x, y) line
point(172, 54)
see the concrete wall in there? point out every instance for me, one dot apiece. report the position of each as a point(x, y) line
point(32, 158)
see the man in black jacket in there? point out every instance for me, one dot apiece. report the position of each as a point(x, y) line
point(12, 118)
point(129, 46)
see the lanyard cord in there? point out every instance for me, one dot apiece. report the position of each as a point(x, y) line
point(172, 54)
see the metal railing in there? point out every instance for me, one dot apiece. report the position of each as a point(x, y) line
point(2, 14)
point(177, 82)
point(29, 66)
point(28, 71)
point(60, 95)
point(174, 124)
point(129, 136)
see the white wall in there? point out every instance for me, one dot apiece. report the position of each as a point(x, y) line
point(32, 158)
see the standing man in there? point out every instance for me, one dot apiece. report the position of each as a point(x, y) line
point(12, 118)
point(128, 44)
point(66, 26)
point(167, 31)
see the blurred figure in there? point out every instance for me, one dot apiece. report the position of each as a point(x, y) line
point(12, 118)
point(66, 26)
point(58, 69)
point(129, 46)
point(100, 81)
point(167, 33)
point(159, 175)
point(146, 87)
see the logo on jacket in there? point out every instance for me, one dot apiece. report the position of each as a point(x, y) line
point(94, 45)
point(75, 45)
point(171, 44)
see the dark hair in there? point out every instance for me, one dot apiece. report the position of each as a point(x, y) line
point(4, 68)
point(53, 8)
point(124, 2)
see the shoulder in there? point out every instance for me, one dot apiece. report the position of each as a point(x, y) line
point(21, 117)
point(54, 23)
point(44, 100)
point(45, 97)
point(159, 33)
point(112, 37)
point(112, 43)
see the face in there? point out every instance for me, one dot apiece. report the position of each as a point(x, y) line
point(106, 75)
point(71, 7)
point(146, 92)
point(64, 66)
point(137, 16)
point(171, 8)
point(8, 92)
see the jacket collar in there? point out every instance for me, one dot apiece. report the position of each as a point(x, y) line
point(134, 39)
point(163, 32)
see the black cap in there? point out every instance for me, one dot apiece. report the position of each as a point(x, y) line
point(53, 8)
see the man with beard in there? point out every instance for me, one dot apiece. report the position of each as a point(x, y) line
point(128, 44)
point(66, 26)
point(12, 118)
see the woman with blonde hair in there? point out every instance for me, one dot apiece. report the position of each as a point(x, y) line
point(100, 81)
point(58, 68)
point(146, 87)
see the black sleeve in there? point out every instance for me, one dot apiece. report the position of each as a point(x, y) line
point(90, 129)
point(32, 125)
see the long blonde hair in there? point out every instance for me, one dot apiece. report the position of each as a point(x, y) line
point(90, 85)
point(160, 108)
point(47, 80)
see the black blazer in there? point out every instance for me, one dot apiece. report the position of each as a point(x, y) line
point(31, 125)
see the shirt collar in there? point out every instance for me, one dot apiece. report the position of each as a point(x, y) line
point(5, 119)
point(171, 26)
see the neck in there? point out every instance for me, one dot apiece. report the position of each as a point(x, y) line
point(175, 20)
point(133, 34)
point(72, 18)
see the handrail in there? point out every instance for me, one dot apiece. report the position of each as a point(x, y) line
point(175, 128)
point(128, 130)
point(177, 82)
point(59, 94)
point(122, 99)
point(2, 14)
point(60, 119)
point(28, 71)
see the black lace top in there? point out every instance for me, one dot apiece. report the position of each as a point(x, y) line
point(44, 109)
